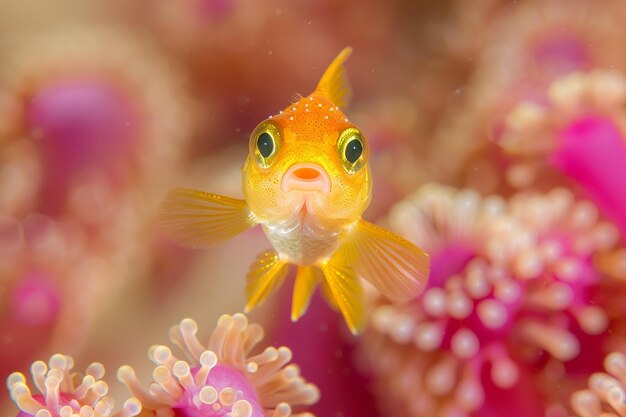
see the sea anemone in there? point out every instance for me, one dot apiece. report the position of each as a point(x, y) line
point(427, 356)
point(93, 100)
point(568, 320)
point(223, 378)
point(512, 292)
point(33, 288)
point(95, 118)
point(606, 395)
point(579, 134)
point(529, 45)
point(66, 394)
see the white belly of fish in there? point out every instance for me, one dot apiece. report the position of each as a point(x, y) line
point(302, 240)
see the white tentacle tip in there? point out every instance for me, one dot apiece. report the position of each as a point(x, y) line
point(132, 407)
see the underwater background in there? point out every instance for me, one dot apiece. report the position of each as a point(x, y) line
point(498, 145)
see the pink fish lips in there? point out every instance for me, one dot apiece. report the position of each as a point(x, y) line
point(306, 177)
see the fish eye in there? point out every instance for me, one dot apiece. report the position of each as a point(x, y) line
point(265, 143)
point(351, 149)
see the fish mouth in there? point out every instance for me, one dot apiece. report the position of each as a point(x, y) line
point(306, 177)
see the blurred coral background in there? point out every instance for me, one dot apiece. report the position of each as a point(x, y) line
point(498, 136)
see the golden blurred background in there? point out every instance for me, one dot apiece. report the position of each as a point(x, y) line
point(106, 105)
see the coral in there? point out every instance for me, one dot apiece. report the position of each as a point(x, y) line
point(222, 379)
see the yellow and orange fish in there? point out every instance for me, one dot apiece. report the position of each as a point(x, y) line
point(306, 181)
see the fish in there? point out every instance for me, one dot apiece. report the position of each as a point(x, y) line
point(306, 181)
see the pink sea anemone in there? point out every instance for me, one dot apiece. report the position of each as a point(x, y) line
point(606, 395)
point(529, 45)
point(513, 293)
point(579, 134)
point(95, 119)
point(440, 344)
point(32, 286)
point(66, 394)
point(222, 378)
point(94, 100)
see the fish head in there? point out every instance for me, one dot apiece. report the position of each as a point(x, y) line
point(308, 158)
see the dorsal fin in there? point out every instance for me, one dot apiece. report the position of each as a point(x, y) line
point(334, 83)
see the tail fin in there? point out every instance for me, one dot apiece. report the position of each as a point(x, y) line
point(334, 83)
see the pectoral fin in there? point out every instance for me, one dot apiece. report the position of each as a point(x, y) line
point(392, 264)
point(347, 292)
point(307, 279)
point(266, 274)
point(199, 219)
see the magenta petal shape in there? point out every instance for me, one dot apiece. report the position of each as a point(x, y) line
point(450, 260)
point(80, 124)
point(593, 153)
point(562, 53)
point(221, 377)
point(83, 121)
point(35, 301)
